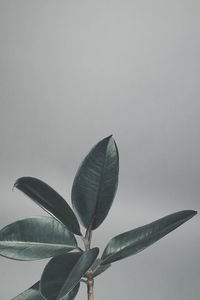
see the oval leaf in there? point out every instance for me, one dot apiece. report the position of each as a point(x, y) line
point(85, 261)
point(95, 183)
point(136, 240)
point(55, 274)
point(99, 270)
point(33, 293)
point(35, 238)
point(49, 200)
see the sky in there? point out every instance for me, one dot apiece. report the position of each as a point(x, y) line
point(74, 72)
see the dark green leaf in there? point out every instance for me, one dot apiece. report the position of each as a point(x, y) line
point(72, 294)
point(136, 240)
point(49, 200)
point(33, 293)
point(55, 274)
point(100, 269)
point(95, 183)
point(85, 261)
point(35, 238)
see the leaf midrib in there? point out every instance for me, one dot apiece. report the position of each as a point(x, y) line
point(38, 195)
point(99, 190)
point(37, 244)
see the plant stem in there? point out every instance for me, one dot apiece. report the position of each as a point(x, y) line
point(90, 281)
point(90, 288)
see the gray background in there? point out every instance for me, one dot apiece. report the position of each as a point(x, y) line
point(73, 72)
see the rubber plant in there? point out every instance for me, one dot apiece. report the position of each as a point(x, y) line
point(93, 191)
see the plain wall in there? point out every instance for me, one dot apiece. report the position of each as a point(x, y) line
point(74, 72)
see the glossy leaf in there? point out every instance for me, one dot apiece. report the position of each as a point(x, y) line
point(95, 183)
point(72, 294)
point(136, 240)
point(100, 269)
point(55, 274)
point(85, 261)
point(35, 238)
point(49, 200)
point(33, 293)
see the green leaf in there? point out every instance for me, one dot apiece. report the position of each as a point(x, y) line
point(100, 269)
point(33, 293)
point(95, 183)
point(35, 238)
point(55, 274)
point(80, 267)
point(49, 200)
point(136, 240)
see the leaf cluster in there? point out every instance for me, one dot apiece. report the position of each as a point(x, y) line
point(92, 195)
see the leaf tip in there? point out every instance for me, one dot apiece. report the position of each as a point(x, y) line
point(15, 185)
point(109, 137)
point(192, 212)
point(17, 182)
point(95, 250)
point(110, 140)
